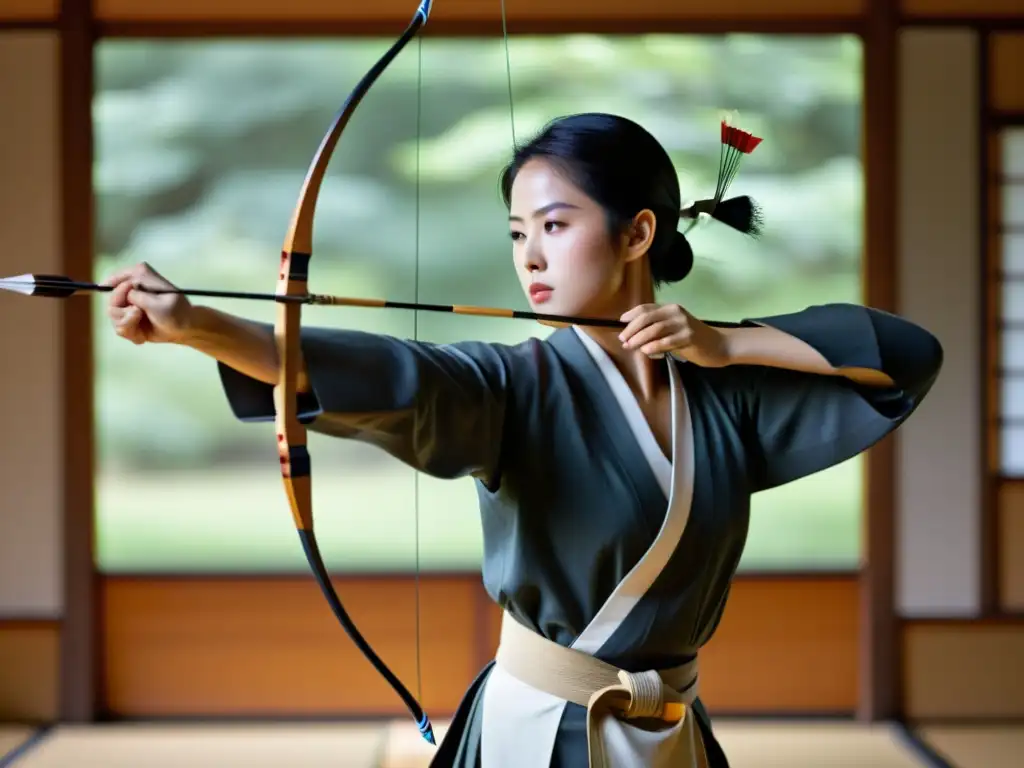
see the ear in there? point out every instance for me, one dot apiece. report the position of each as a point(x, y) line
point(640, 234)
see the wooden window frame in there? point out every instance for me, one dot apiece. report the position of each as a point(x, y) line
point(995, 125)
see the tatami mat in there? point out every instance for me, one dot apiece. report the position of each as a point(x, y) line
point(977, 746)
point(208, 746)
point(405, 748)
point(748, 745)
point(397, 745)
point(814, 745)
point(12, 737)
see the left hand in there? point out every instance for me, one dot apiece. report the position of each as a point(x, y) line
point(657, 330)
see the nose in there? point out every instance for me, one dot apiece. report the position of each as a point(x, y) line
point(533, 261)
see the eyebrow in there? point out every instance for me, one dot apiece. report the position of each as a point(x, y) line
point(546, 209)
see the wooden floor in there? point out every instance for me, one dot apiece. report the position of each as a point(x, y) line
point(757, 744)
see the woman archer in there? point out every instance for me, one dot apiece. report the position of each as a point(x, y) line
point(614, 468)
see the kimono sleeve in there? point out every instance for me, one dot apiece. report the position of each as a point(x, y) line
point(798, 423)
point(437, 408)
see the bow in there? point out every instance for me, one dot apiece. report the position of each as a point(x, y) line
point(296, 470)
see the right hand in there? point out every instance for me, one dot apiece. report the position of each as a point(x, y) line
point(161, 318)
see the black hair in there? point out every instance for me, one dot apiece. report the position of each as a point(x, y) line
point(623, 168)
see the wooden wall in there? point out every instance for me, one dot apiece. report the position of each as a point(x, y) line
point(270, 646)
point(19, 11)
point(73, 652)
point(962, 663)
point(396, 13)
point(31, 388)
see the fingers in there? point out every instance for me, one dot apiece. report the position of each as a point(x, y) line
point(142, 299)
point(654, 337)
point(161, 281)
point(119, 296)
point(128, 323)
point(128, 307)
point(120, 276)
point(637, 311)
point(638, 318)
point(142, 274)
point(125, 283)
point(661, 346)
point(121, 282)
point(650, 322)
point(150, 281)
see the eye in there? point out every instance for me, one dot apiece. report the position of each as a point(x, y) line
point(551, 226)
point(515, 236)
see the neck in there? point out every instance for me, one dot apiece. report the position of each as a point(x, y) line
point(646, 377)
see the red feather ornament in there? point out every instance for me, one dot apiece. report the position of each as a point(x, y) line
point(740, 213)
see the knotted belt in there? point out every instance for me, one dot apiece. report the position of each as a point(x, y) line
point(648, 702)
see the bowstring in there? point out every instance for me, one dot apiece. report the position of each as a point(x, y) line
point(416, 286)
point(415, 335)
point(508, 73)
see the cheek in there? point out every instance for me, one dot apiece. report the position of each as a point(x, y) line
point(591, 256)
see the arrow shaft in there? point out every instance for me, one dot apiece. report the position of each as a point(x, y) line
point(313, 299)
point(461, 309)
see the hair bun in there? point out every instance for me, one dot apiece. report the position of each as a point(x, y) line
point(676, 261)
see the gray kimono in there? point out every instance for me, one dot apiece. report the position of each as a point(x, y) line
point(570, 495)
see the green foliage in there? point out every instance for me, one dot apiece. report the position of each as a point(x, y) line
point(201, 151)
point(233, 519)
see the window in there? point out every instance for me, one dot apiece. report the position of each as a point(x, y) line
point(201, 148)
point(1009, 255)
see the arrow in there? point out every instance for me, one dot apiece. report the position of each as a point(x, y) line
point(60, 287)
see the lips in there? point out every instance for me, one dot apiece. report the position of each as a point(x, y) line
point(540, 293)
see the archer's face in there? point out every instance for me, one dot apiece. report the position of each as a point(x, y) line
point(560, 240)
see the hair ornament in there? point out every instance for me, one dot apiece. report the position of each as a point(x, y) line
point(740, 213)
